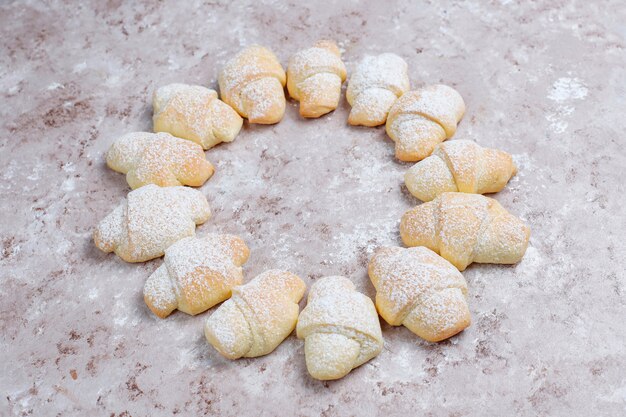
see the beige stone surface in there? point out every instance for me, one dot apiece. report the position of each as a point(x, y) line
point(544, 80)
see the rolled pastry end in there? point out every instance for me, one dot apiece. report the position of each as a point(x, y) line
point(264, 101)
point(158, 293)
point(330, 355)
point(319, 94)
point(371, 107)
point(108, 231)
point(417, 227)
point(503, 242)
point(429, 178)
point(228, 331)
point(416, 138)
point(226, 123)
point(439, 316)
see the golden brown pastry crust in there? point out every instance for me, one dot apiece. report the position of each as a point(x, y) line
point(158, 158)
point(421, 119)
point(258, 316)
point(151, 219)
point(340, 327)
point(420, 290)
point(194, 113)
point(252, 83)
point(374, 86)
point(196, 274)
point(314, 78)
point(460, 165)
point(465, 228)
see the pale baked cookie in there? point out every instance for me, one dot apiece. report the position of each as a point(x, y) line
point(314, 78)
point(423, 118)
point(460, 165)
point(196, 274)
point(340, 328)
point(194, 113)
point(420, 290)
point(149, 220)
point(465, 228)
point(252, 83)
point(158, 158)
point(374, 86)
point(258, 317)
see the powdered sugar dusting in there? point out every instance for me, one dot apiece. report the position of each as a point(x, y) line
point(416, 279)
point(268, 304)
point(162, 159)
point(200, 271)
point(334, 307)
point(460, 165)
point(411, 119)
point(150, 220)
point(316, 74)
point(466, 228)
point(194, 113)
point(374, 86)
point(248, 67)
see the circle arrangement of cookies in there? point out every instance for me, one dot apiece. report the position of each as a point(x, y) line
point(420, 286)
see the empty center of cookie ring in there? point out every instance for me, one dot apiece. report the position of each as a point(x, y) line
point(317, 196)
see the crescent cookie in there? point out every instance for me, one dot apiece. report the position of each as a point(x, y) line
point(196, 274)
point(376, 84)
point(252, 83)
point(149, 220)
point(417, 288)
point(159, 158)
point(194, 113)
point(314, 78)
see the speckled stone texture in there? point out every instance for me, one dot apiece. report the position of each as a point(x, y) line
point(543, 80)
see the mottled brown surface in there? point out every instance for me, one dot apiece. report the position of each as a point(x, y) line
point(543, 80)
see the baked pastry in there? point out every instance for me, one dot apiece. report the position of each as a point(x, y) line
point(258, 317)
point(373, 88)
point(194, 113)
point(465, 228)
point(158, 158)
point(420, 290)
point(460, 165)
point(421, 119)
point(149, 220)
point(340, 328)
point(252, 83)
point(314, 78)
point(196, 274)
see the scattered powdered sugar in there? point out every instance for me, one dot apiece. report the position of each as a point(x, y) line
point(567, 88)
point(564, 92)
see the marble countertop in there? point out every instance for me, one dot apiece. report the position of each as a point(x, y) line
point(543, 80)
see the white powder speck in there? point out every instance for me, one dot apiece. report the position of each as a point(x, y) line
point(78, 68)
point(93, 294)
point(566, 88)
point(68, 185)
point(54, 86)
